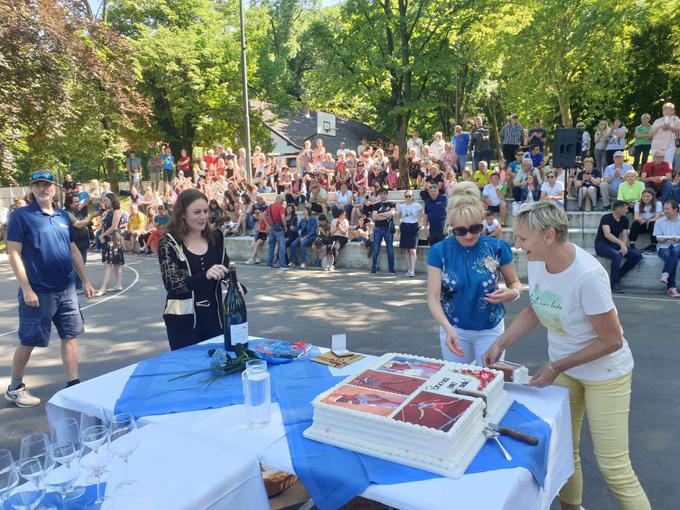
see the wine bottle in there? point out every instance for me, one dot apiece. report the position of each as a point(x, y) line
point(235, 314)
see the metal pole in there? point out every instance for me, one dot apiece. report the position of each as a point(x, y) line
point(244, 84)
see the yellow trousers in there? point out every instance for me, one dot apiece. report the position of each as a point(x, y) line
point(607, 404)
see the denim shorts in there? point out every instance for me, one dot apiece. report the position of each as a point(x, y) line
point(61, 308)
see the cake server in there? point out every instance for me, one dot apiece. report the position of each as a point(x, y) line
point(514, 433)
point(492, 434)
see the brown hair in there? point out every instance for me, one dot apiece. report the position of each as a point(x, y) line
point(177, 226)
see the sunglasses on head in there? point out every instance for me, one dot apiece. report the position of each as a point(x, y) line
point(42, 175)
point(473, 229)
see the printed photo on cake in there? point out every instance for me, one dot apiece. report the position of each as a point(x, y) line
point(434, 411)
point(364, 400)
point(410, 366)
point(393, 383)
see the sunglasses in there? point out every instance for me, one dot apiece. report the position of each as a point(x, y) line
point(408, 196)
point(473, 229)
point(550, 176)
point(42, 176)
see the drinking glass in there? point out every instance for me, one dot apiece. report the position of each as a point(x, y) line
point(93, 416)
point(123, 441)
point(66, 470)
point(94, 458)
point(36, 446)
point(67, 430)
point(27, 496)
point(9, 478)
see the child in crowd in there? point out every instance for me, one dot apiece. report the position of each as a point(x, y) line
point(323, 238)
point(361, 234)
point(491, 226)
point(260, 237)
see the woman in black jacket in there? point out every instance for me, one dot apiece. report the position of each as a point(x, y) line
point(193, 262)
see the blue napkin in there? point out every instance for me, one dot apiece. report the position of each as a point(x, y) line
point(53, 499)
point(334, 476)
point(150, 390)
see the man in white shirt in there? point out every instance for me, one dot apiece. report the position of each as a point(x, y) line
point(492, 196)
point(437, 146)
point(415, 143)
point(667, 233)
point(342, 150)
point(552, 189)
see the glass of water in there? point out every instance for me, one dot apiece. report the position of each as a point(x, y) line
point(95, 458)
point(123, 441)
point(28, 495)
point(9, 477)
point(67, 430)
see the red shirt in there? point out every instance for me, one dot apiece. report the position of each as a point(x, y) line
point(653, 170)
point(276, 211)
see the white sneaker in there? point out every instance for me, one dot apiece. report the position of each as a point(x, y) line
point(303, 265)
point(332, 268)
point(22, 397)
point(290, 264)
point(257, 261)
point(412, 274)
point(250, 261)
point(407, 273)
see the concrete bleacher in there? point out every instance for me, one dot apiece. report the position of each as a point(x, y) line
point(582, 231)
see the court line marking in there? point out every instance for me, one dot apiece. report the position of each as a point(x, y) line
point(134, 282)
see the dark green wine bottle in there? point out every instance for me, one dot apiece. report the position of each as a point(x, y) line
point(235, 314)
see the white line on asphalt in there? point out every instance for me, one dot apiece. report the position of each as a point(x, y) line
point(645, 298)
point(98, 302)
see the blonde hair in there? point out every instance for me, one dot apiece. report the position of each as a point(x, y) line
point(543, 216)
point(465, 205)
point(668, 105)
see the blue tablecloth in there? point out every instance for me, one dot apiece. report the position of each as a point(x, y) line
point(333, 476)
point(53, 499)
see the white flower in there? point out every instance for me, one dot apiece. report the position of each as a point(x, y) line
point(491, 264)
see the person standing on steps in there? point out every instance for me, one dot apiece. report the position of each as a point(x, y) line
point(43, 255)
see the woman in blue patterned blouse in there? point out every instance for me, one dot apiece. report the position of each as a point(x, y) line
point(462, 280)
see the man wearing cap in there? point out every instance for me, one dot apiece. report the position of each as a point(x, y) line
point(43, 256)
point(512, 135)
point(612, 179)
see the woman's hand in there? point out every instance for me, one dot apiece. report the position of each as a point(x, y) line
point(544, 377)
point(452, 341)
point(493, 354)
point(501, 296)
point(216, 272)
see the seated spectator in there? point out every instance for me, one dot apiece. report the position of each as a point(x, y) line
point(215, 214)
point(481, 176)
point(493, 198)
point(552, 190)
point(448, 157)
point(359, 199)
point(318, 199)
point(136, 227)
point(343, 201)
point(435, 214)
point(667, 232)
point(361, 234)
point(323, 238)
point(519, 182)
point(144, 245)
point(491, 226)
point(612, 178)
point(392, 178)
point(339, 236)
point(306, 230)
point(291, 221)
point(587, 184)
point(657, 174)
point(514, 167)
point(630, 190)
point(449, 182)
point(612, 242)
point(261, 234)
point(536, 156)
point(415, 173)
point(646, 212)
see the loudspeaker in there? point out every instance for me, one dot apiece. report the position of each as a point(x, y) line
point(567, 147)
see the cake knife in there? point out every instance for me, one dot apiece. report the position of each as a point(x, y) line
point(514, 433)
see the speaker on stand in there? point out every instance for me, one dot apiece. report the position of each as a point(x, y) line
point(567, 154)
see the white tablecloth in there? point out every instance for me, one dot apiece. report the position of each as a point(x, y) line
point(507, 489)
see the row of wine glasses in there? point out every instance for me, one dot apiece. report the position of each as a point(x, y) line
point(55, 462)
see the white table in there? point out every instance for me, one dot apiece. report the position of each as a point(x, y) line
point(500, 489)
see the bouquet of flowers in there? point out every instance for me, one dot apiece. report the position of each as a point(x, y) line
point(223, 363)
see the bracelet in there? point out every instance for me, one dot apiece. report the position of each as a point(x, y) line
point(553, 369)
point(518, 294)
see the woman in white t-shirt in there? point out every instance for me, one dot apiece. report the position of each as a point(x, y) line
point(569, 293)
point(409, 215)
point(646, 212)
point(664, 132)
point(552, 190)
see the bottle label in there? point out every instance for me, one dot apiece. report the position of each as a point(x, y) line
point(239, 333)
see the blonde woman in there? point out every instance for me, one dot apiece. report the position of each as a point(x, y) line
point(462, 280)
point(570, 295)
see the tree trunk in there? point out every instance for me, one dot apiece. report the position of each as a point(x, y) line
point(401, 125)
point(112, 171)
point(564, 101)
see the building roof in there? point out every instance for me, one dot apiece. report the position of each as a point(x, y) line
point(298, 128)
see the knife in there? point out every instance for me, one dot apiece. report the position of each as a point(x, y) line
point(514, 433)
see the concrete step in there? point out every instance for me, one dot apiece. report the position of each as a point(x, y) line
point(644, 276)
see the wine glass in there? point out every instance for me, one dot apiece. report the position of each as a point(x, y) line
point(28, 496)
point(67, 430)
point(93, 416)
point(95, 458)
point(36, 446)
point(123, 441)
point(9, 478)
point(66, 471)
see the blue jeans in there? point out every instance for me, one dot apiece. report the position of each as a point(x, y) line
point(519, 193)
point(670, 191)
point(301, 243)
point(670, 257)
point(633, 256)
point(83, 253)
point(379, 234)
point(277, 236)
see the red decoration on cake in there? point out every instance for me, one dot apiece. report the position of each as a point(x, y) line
point(483, 375)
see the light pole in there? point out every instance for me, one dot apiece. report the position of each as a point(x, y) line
point(244, 84)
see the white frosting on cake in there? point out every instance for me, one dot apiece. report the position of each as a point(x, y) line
point(397, 435)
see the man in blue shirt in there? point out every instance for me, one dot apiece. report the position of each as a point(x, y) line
point(168, 165)
point(460, 142)
point(435, 211)
point(43, 256)
point(537, 136)
point(612, 179)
